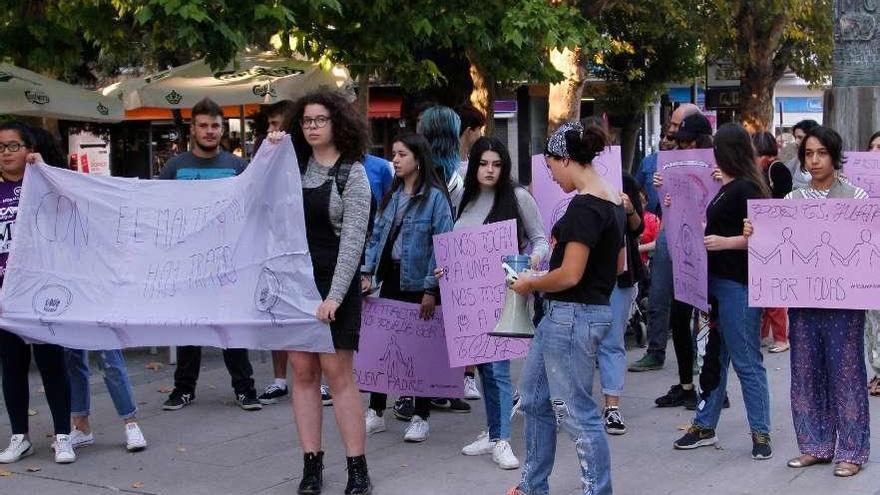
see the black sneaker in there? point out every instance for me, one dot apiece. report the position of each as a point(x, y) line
point(404, 408)
point(272, 394)
point(761, 448)
point(691, 404)
point(248, 401)
point(451, 405)
point(695, 437)
point(326, 397)
point(676, 397)
point(178, 400)
point(614, 424)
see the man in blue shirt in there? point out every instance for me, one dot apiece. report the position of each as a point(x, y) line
point(208, 161)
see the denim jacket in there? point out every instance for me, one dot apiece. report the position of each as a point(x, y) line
point(427, 214)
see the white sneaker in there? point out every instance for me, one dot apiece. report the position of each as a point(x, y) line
point(482, 445)
point(417, 431)
point(134, 438)
point(63, 449)
point(19, 447)
point(79, 439)
point(375, 423)
point(502, 454)
point(471, 392)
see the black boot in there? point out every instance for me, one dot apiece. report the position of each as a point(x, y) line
point(313, 465)
point(358, 477)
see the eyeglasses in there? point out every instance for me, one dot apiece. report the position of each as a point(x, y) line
point(319, 121)
point(13, 147)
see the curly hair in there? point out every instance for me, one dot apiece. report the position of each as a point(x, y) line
point(349, 127)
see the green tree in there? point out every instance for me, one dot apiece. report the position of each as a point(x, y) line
point(764, 38)
point(650, 46)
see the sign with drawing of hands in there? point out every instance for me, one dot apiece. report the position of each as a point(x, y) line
point(402, 354)
point(814, 253)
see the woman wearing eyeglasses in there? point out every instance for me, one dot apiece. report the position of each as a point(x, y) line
point(330, 141)
point(16, 143)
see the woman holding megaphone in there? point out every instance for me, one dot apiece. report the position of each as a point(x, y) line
point(557, 377)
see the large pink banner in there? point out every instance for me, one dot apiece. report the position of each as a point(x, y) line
point(402, 354)
point(687, 178)
point(862, 168)
point(473, 292)
point(815, 253)
point(552, 201)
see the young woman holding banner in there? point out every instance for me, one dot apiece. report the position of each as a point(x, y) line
point(330, 140)
point(16, 144)
point(829, 394)
point(400, 253)
point(738, 325)
point(490, 195)
point(557, 377)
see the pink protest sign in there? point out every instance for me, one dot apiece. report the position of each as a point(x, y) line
point(687, 178)
point(473, 292)
point(862, 168)
point(552, 201)
point(815, 253)
point(403, 354)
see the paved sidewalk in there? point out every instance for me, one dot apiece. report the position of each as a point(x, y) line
point(213, 447)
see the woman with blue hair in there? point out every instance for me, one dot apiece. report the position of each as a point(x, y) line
point(440, 126)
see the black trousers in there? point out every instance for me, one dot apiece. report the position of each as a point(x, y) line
point(189, 363)
point(15, 356)
point(680, 321)
point(391, 290)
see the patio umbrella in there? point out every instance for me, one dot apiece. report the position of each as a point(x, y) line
point(256, 78)
point(23, 92)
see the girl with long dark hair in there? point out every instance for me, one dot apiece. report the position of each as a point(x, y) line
point(738, 325)
point(400, 253)
point(557, 377)
point(490, 195)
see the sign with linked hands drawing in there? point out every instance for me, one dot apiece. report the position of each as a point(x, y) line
point(815, 253)
point(402, 354)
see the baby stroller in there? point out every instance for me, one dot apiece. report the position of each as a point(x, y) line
point(637, 327)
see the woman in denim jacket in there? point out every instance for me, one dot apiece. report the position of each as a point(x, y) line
point(400, 252)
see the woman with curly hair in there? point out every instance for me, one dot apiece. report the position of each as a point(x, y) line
point(330, 140)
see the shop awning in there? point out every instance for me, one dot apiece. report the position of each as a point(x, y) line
point(385, 107)
point(155, 113)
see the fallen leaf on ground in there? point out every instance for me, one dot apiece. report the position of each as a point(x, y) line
point(212, 386)
point(33, 469)
point(165, 390)
point(181, 449)
point(5, 473)
point(153, 365)
point(684, 427)
point(32, 412)
point(137, 484)
point(50, 435)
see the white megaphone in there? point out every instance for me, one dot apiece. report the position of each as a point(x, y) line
point(515, 320)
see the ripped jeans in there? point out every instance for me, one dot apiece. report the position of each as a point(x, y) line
point(557, 385)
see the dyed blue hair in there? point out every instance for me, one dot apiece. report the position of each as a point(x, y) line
point(440, 126)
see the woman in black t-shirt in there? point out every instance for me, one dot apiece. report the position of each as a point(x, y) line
point(737, 324)
point(557, 378)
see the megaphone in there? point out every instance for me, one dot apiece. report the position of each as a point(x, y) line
point(515, 320)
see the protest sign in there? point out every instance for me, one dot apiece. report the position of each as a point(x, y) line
point(862, 168)
point(107, 262)
point(473, 292)
point(553, 201)
point(687, 178)
point(402, 354)
point(815, 253)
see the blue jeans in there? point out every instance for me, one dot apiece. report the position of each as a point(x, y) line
point(111, 363)
point(660, 298)
point(498, 398)
point(739, 329)
point(612, 350)
point(557, 385)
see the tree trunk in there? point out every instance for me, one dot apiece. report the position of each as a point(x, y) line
point(565, 96)
point(483, 94)
point(629, 135)
point(756, 98)
point(364, 94)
